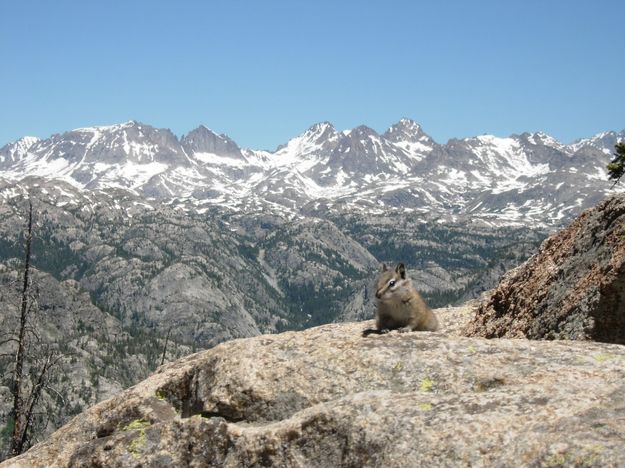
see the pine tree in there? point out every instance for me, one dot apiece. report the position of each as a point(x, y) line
point(616, 168)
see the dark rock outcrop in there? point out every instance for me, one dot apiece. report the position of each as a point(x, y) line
point(573, 288)
point(328, 397)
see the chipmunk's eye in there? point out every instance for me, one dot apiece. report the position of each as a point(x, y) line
point(391, 283)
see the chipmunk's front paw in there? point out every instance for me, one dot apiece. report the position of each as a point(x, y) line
point(404, 329)
point(375, 331)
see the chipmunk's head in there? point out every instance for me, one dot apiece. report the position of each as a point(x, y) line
point(391, 282)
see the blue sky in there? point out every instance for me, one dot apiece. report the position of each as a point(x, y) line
point(264, 71)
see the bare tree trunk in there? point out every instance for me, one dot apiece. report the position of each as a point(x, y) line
point(165, 346)
point(18, 402)
point(34, 398)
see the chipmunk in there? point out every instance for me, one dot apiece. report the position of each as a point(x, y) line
point(400, 306)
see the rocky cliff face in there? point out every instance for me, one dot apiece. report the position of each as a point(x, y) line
point(573, 288)
point(329, 397)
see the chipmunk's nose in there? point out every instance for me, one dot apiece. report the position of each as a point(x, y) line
point(378, 294)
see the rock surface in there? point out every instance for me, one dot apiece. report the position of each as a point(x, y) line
point(573, 288)
point(329, 397)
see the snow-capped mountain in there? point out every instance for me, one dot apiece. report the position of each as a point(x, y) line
point(529, 178)
point(13, 152)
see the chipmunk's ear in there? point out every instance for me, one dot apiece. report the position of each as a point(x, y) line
point(384, 267)
point(401, 269)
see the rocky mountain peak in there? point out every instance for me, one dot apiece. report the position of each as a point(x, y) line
point(321, 127)
point(320, 132)
point(408, 123)
point(113, 129)
point(362, 143)
point(204, 140)
point(362, 131)
point(15, 151)
point(317, 141)
point(604, 141)
point(406, 130)
point(362, 152)
point(539, 139)
point(131, 141)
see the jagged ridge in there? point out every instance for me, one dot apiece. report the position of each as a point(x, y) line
point(529, 178)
